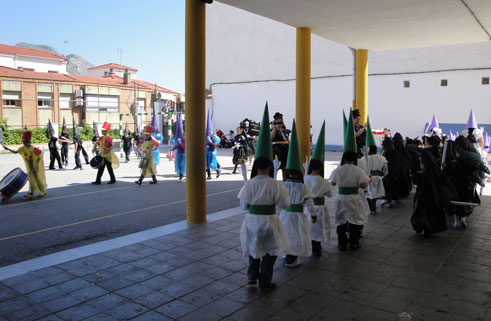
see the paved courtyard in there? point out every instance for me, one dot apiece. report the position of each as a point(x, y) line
point(197, 273)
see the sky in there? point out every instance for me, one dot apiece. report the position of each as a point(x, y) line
point(149, 32)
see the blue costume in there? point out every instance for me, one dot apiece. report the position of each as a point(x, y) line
point(156, 152)
point(180, 147)
point(211, 153)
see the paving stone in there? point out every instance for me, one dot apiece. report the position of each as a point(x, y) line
point(115, 284)
point(61, 303)
point(221, 287)
point(15, 304)
point(106, 302)
point(59, 277)
point(340, 310)
point(158, 283)
point(99, 276)
point(133, 291)
point(151, 316)
point(159, 268)
point(46, 294)
point(200, 297)
point(224, 306)
point(51, 317)
point(176, 309)
point(102, 317)
point(247, 314)
point(201, 314)
point(73, 285)
point(32, 312)
point(79, 312)
point(7, 293)
point(245, 294)
point(30, 286)
point(153, 299)
point(89, 293)
point(178, 289)
point(198, 280)
point(126, 310)
point(122, 256)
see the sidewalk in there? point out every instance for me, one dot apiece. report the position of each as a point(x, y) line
point(198, 273)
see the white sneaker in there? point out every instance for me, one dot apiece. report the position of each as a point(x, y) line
point(294, 264)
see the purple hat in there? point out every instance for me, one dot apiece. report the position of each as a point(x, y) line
point(433, 124)
point(471, 122)
point(179, 128)
point(451, 136)
point(209, 125)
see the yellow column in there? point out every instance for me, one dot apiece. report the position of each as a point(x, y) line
point(362, 83)
point(195, 112)
point(302, 96)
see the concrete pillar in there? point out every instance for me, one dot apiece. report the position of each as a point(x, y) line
point(362, 83)
point(302, 93)
point(195, 112)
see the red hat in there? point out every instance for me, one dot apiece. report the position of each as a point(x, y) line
point(148, 130)
point(26, 136)
point(106, 126)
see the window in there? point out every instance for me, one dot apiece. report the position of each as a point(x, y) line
point(406, 84)
point(65, 101)
point(11, 98)
point(444, 83)
point(45, 100)
point(52, 71)
point(26, 69)
point(485, 81)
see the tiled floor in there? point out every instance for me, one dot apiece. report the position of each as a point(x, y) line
point(199, 274)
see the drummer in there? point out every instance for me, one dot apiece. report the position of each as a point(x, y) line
point(105, 144)
point(33, 158)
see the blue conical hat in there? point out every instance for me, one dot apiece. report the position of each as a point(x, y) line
point(179, 128)
point(471, 122)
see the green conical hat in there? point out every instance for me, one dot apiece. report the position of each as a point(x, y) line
point(320, 145)
point(345, 123)
point(370, 140)
point(264, 147)
point(349, 136)
point(293, 161)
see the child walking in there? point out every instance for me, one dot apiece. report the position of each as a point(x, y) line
point(321, 230)
point(293, 218)
point(262, 235)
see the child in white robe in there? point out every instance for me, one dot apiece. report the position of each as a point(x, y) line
point(321, 230)
point(295, 221)
point(351, 208)
point(378, 169)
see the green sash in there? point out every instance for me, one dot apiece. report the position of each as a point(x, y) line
point(376, 173)
point(262, 209)
point(319, 201)
point(295, 208)
point(347, 190)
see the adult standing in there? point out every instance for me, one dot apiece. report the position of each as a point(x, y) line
point(127, 145)
point(105, 144)
point(180, 147)
point(250, 139)
point(360, 133)
point(53, 151)
point(474, 134)
point(279, 136)
point(65, 140)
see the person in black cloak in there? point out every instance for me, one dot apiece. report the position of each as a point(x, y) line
point(360, 132)
point(53, 150)
point(403, 160)
point(64, 140)
point(428, 206)
point(281, 141)
point(239, 148)
point(127, 145)
point(392, 184)
point(464, 172)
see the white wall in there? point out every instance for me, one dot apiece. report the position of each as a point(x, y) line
point(255, 51)
point(7, 61)
point(40, 64)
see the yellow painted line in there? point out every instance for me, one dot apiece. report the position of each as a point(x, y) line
point(107, 216)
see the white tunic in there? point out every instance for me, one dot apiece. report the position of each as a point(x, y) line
point(263, 234)
point(350, 208)
point(296, 224)
point(376, 163)
point(320, 231)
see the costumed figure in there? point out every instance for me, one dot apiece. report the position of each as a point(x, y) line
point(321, 230)
point(251, 148)
point(239, 148)
point(429, 200)
point(279, 136)
point(377, 169)
point(111, 161)
point(360, 133)
point(65, 140)
point(156, 152)
point(127, 142)
point(403, 165)
point(433, 128)
point(351, 208)
point(53, 148)
point(147, 163)
point(262, 235)
point(77, 142)
point(294, 220)
point(212, 142)
point(180, 147)
point(33, 159)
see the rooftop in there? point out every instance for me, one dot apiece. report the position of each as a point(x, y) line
point(114, 66)
point(15, 50)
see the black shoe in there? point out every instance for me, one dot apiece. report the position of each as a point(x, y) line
point(316, 254)
point(138, 182)
point(342, 247)
point(153, 182)
point(209, 177)
point(218, 174)
point(76, 167)
point(268, 286)
point(234, 172)
point(96, 183)
point(252, 281)
point(111, 182)
point(355, 246)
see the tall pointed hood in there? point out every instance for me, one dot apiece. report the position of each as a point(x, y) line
point(370, 140)
point(471, 122)
point(179, 128)
point(76, 135)
point(264, 147)
point(345, 123)
point(154, 123)
point(319, 150)
point(49, 129)
point(433, 124)
point(293, 160)
point(209, 125)
point(349, 137)
point(63, 127)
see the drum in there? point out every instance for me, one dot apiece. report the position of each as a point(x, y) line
point(97, 162)
point(12, 183)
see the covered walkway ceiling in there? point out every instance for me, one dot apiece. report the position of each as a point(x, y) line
point(382, 24)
